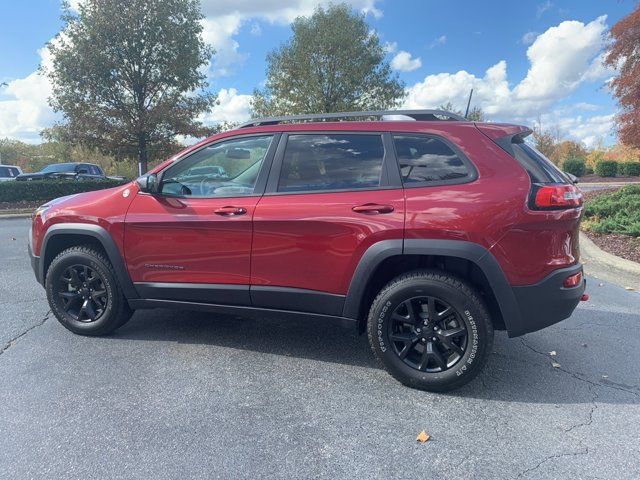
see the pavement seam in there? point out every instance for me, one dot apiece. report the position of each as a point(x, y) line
point(14, 340)
point(580, 376)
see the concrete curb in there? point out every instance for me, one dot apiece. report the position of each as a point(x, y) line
point(612, 184)
point(610, 267)
point(15, 215)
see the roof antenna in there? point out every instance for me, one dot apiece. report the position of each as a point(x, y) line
point(466, 114)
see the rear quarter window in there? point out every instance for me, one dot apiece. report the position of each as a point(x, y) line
point(429, 160)
point(539, 167)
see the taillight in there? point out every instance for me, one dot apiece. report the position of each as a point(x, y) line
point(553, 197)
point(573, 280)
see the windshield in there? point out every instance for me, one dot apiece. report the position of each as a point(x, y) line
point(59, 168)
point(8, 172)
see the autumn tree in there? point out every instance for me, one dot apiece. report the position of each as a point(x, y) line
point(128, 76)
point(476, 114)
point(624, 54)
point(333, 62)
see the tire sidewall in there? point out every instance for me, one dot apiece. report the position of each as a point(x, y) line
point(479, 332)
point(58, 266)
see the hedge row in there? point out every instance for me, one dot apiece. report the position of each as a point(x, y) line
point(607, 168)
point(575, 166)
point(617, 212)
point(45, 190)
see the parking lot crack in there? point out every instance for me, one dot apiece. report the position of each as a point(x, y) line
point(581, 377)
point(15, 339)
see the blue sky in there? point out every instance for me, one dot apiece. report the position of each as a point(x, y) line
point(528, 61)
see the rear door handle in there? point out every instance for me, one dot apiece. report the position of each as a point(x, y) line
point(230, 211)
point(372, 209)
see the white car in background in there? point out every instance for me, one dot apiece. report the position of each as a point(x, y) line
point(9, 172)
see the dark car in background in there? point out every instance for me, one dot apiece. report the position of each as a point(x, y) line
point(70, 171)
point(9, 172)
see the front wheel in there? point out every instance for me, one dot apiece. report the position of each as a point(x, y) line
point(430, 330)
point(83, 292)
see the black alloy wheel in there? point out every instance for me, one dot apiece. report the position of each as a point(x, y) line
point(82, 293)
point(428, 334)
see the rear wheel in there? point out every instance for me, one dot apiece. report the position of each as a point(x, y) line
point(83, 292)
point(430, 330)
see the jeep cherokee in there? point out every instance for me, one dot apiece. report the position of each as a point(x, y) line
point(420, 228)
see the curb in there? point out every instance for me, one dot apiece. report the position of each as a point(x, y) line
point(15, 215)
point(610, 267)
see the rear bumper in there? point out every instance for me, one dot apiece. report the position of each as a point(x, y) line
point(546, 302)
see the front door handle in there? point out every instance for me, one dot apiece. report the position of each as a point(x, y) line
point(230, 211)
point(372, 209)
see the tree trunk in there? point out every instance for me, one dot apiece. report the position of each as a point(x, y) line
point(142, 153)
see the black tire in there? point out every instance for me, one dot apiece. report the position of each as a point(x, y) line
point(442, 358)
point(101, 295)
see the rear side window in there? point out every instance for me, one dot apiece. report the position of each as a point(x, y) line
point(317, 162)
point(539, 167)
point(426, 160)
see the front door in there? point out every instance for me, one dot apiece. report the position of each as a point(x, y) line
point(192, 240)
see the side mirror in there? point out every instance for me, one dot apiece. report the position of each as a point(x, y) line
point(571, 177)
point(148, 183)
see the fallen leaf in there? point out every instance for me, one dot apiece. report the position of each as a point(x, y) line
point(605, 376)
point(629, 288)
point(13, 238)
point(601, 284)
point(553, 353)
point(584, 344)
point(423, 437)
point(555, 365)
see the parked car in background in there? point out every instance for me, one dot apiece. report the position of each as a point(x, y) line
point(70, 171)
point(9, 172)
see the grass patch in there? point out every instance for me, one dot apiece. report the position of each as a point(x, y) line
point(617, 212)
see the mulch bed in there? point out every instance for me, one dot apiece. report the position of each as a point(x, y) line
point(596, 179)
point(622, 246)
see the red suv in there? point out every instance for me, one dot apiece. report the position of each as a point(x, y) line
point(423, 229)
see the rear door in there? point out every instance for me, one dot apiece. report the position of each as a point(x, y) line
point(192, 240)
point(330, 196)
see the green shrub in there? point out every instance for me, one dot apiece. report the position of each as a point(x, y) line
point(574, 166)
point(617, 212)
point(631, 169)
point(588, 170)
point(607, 168)
point(44, 190)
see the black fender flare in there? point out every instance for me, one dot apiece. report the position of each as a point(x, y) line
point(471, 251)
point(101, 235)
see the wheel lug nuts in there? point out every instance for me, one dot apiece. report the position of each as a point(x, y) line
point(434, 339)
point(435, 328)
point(423, 340)
point(418, 330)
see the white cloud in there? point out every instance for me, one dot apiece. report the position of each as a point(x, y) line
point(404, 62)
point(232, 107)
point(441, 40)
point(24, 109)
point(561, 59)
point(529, 37)
point(390, 47)
point(543, 7)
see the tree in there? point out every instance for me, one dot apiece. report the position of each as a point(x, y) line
point(332, 63)
point(624, 53)
point(476, 114)
point(546, 141)
point(127, 75)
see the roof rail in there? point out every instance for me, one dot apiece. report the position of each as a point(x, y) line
point(418, 115)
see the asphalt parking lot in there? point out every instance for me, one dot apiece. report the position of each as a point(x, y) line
point(186, 395)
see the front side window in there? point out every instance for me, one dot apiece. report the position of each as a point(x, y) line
point(319, 162)
point(225, 169)
point(424, 159)
point(59, 168)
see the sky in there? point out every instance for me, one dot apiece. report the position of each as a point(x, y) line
point(530, 61)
